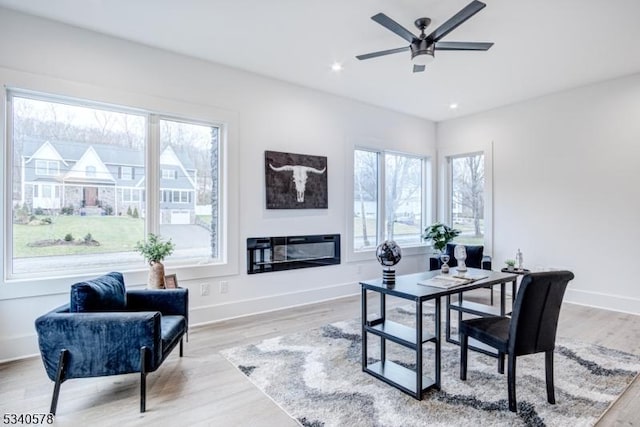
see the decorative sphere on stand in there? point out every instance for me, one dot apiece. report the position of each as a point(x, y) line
point(388, 254)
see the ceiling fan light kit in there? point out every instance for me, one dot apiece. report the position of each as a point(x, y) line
point(422, 52)
point(423, 47)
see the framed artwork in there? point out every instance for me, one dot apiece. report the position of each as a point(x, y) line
point(170, 281)
point(295, 181)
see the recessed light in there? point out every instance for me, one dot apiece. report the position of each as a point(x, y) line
point(453, 106)
point(336, 66)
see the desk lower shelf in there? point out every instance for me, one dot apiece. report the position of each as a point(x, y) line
point(400, 377)
point(397, 333)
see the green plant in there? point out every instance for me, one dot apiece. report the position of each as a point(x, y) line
point(135, 213)
point(510, 262)
point(68, 237)
point(88, 238)
point(154, 249)
point(21, 214)
point(67, 210)
point(439, 235)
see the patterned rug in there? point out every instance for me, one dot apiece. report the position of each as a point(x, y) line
point(316, 377)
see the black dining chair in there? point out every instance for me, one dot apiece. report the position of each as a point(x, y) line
point(475, 259)
point(531, 328)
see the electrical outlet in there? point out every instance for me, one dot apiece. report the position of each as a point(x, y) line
point(224, 286)
point(205, 289)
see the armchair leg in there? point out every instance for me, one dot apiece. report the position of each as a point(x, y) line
point(181, 349)
point(511, 382)
point(548, 364)
point(491, 288)
point(464, 347)
point(143, 379)
point(59, 380)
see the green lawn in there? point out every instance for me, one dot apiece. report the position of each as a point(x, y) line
point(398, 229)
point(115, 234)
point(466, 238)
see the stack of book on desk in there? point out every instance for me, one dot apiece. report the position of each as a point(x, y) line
point(447, 281)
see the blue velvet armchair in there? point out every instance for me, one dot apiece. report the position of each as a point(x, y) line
point(108, 330)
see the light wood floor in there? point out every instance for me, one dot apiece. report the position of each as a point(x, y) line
point(203, 389)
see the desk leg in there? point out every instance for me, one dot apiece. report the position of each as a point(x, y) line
point(418, 349)
point(459, 316)
point(383, 342)
point(438, 339)
point(502, 299)
point(514, 292)
point(447, 316)
point(363, 303)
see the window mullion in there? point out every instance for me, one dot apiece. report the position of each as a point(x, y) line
point(382, 198)
point(152, 167)
point(7, 268)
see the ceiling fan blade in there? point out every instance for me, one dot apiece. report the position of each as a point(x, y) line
point(467, 12)
point(418, 68)
point(382, 53)
point(392, 25)
point(463, 45)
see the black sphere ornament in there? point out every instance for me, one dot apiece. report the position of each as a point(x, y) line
point(388, 254)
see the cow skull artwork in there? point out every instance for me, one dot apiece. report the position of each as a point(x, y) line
point(295, 181)
point(300, 175)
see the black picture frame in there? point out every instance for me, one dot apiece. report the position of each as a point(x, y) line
point(295, 181)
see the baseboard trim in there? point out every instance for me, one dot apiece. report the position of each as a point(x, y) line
point(604, 301)
point(215, 313)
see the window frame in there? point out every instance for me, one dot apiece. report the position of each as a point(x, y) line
point(32, 85)
point(427, 198)
point(47, 167)
point(129, 176)
point(170, 174)
point(445, 186)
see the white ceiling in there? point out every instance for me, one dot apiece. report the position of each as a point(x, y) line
point(541, 46)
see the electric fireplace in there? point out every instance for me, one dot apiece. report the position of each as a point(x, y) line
point(265, 254)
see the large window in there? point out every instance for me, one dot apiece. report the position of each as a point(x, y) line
point(74, 204)
point(389, 198)
point(466, 197)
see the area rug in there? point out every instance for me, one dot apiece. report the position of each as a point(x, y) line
point(316, 377)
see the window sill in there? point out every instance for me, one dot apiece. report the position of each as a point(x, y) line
point(370, 254)
point(42, 286)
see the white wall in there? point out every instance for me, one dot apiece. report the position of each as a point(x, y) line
point(566, 185)
point(270, 115)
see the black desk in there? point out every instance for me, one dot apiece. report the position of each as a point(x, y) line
point(407, 287)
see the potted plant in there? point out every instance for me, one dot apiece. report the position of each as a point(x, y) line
point(511, 263)
point(154, 251)
point(439, 235)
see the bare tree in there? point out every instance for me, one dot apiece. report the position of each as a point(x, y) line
point(468, 188)
point(104, 121)
point(403, 178)
point(365, 185)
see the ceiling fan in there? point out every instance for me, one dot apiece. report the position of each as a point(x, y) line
point(422, 47)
